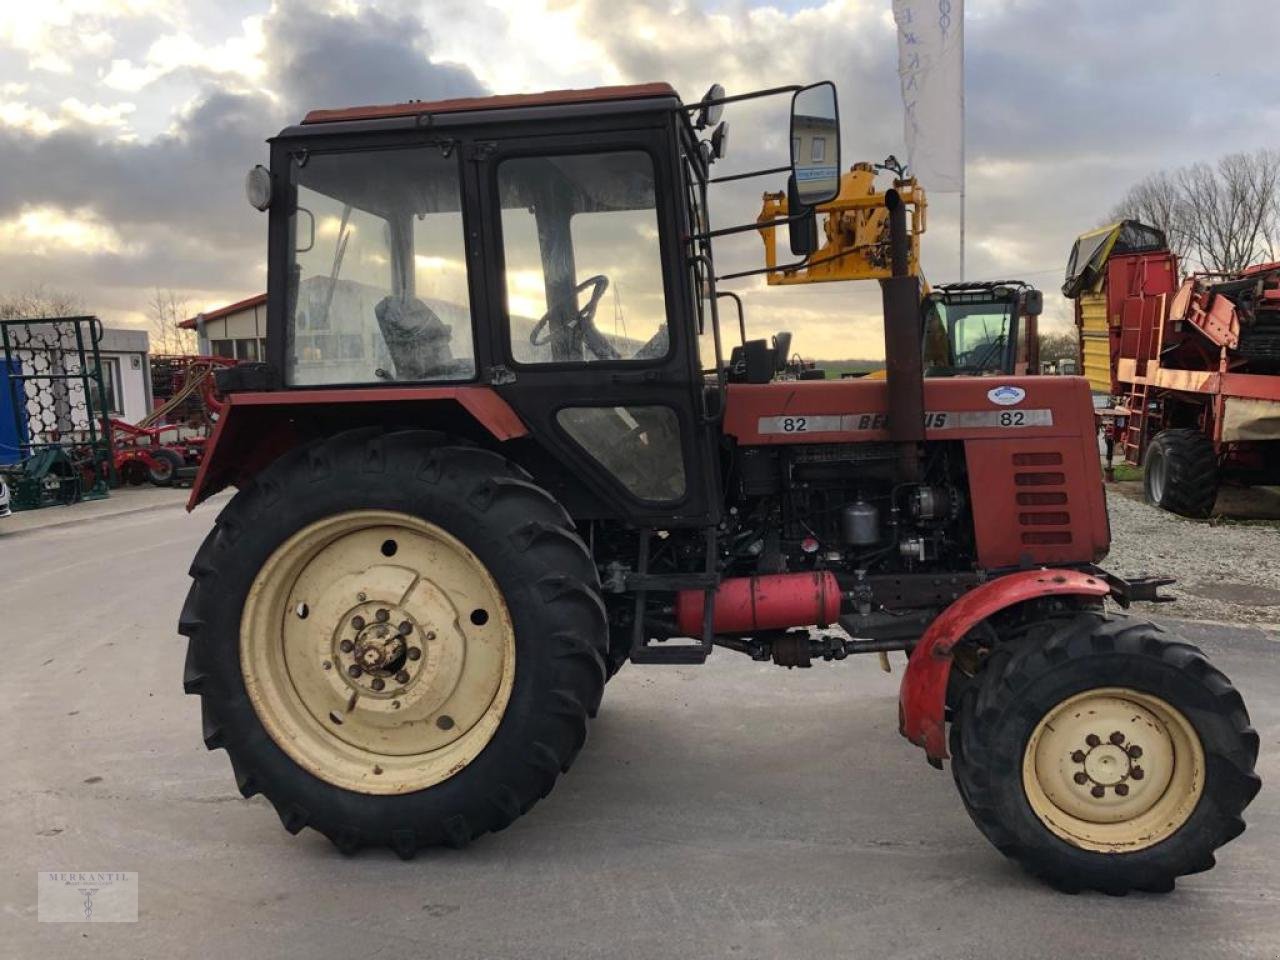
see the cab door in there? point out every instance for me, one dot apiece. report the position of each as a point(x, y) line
point(591, 307)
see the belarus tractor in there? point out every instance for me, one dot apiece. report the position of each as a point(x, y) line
point(496, 451)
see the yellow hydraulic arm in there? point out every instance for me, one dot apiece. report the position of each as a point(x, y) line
point(855, 240)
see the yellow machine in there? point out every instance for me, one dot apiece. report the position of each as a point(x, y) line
point(855, 239)
point(856, 232)
point(970, 328)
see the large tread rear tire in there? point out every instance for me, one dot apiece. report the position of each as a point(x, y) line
point(542, 568)
point(995, 720)
point(1180, 473)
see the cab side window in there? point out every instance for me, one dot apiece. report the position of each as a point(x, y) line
point(584, 277)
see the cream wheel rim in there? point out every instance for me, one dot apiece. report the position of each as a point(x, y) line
point(377, 651)
point(1113, 770)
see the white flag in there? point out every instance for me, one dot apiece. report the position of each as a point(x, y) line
point(931, 67)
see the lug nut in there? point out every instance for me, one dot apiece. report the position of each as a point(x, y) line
point(444, 722)
point(414, 653)
point(1081, 778)
point(1135, 751)
point(328, 665)
point(378, 683)
point(1098, 791)
point(381, 616)
point(1117, 738)
point(1122, 789)
point(402, 676)
point(405, 628)
point(346, 646)
point(354, 670)
point(1137, 773)
point(1078, 757)
point(357, 623)
point(1093, 739)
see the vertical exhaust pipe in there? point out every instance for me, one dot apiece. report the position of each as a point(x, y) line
point(904, 365)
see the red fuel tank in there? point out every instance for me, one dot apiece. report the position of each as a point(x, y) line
point(772, 602)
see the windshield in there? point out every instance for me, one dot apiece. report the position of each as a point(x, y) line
point(378, 289)
point(978, 334)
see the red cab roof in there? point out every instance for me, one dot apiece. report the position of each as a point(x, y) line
point(551, 97)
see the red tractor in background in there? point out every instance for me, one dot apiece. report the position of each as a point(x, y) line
point(495, 451)
point(1192, 365)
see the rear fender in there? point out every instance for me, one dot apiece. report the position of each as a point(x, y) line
point(256, 428)
point(922, 698)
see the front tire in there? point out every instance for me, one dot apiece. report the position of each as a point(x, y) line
point(1105, 756)
point(319, 583)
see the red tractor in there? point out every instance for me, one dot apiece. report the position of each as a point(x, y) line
point(495, 452)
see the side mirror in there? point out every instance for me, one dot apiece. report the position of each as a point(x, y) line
point(815, 144)
point(804, 231)
point(1032, 303)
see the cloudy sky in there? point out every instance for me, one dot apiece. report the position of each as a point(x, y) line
point(126, 126)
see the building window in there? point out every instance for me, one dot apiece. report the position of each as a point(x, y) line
point(110, 370)
point(819, 150)
point(241, 348)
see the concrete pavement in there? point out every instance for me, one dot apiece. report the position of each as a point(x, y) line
point(736, 810)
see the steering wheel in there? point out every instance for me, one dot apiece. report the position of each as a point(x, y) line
point(584, 319)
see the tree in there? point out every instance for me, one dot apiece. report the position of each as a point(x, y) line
point(1059, 346)
point(40, 302)
point(167, 309)
point(1222, 217)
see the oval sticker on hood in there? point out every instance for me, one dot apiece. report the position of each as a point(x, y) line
point(1006, 396)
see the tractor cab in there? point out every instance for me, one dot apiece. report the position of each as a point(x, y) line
point(552, 248)
point(982, 329)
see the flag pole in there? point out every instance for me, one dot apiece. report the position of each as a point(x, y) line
point(963, 171)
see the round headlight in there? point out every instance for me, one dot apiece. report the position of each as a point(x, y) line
point(257, 187)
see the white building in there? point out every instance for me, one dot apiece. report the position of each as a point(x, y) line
point(238, 330)
point(126, 372)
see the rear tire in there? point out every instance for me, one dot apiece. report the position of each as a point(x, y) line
point(547, 611)
point(1180, 473)
point(1100, 813)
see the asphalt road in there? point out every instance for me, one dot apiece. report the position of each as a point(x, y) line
point(735, 810)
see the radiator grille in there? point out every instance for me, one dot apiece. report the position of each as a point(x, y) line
point(1050, 526)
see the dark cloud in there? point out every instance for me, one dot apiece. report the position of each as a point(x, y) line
point(335, 61)
point(177, 200)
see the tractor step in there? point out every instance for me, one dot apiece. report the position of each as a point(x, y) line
point(686, 653)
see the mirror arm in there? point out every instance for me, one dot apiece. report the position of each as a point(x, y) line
point(746, 176)
point(743, 228)
point(753, 95)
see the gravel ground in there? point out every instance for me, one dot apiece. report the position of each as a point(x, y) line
point(1226, 572)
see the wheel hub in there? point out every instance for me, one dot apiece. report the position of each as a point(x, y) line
point(1113, 769)
point(378, 644)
